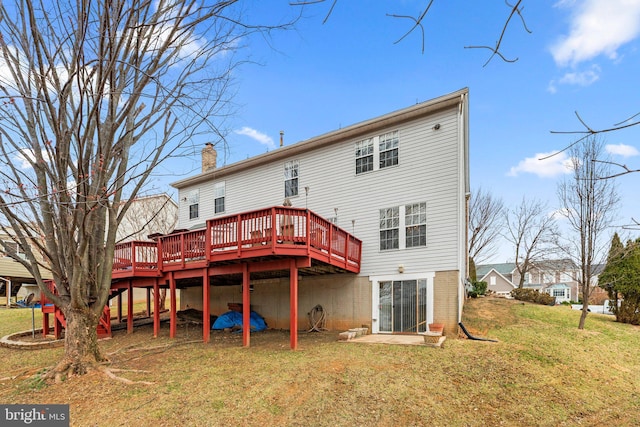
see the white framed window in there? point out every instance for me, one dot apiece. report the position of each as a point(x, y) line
point(388, 145)
point(218, 197)
point(403, 226)
point(415, 220)
point(492, 281)
point(194, 204)
point(377, 152)
point(364, 156)
point(291, 173)
point(389, 228)
point(558, 293)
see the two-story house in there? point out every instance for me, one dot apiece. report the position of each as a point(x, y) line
point(399, 183)
point(558, 278)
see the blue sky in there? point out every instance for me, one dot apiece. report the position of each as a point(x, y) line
point(581, 56)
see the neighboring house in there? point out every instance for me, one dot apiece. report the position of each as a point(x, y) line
point(558, 278)
point(146, 215)
point(14, 276)
point(398, 182)
point(546, 273)
point(498, 278)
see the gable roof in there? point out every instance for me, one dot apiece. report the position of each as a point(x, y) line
point(498, 273)
point(555, 265)
point(502, 268)
point(349, 133)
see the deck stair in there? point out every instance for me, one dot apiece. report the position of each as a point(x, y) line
point(60, 323)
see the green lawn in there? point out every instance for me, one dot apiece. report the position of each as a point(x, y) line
point(542, 372)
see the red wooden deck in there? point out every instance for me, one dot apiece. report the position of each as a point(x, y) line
point(242, 238)
point(276, 241)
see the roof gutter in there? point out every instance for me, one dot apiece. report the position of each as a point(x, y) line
point(350, 132)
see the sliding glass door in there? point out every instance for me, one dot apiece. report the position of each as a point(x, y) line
point(403, 306)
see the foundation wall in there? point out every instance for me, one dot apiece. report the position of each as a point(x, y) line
point(345, 299)
point(445, 300)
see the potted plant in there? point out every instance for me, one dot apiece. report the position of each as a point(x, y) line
point(436, 327)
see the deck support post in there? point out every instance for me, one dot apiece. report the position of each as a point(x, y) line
point(293, 303)
point(246, 306)
point(130, 307)
point(172, 294)
point(206, 306)
point(156, 308)
point(45, 324)
point(148, 302)
point(119, 301)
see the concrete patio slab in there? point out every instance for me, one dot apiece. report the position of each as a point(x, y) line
point(389, 339)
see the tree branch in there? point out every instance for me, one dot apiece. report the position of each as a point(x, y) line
point(515, 9)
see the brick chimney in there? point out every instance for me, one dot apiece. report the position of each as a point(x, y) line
point(209, 157)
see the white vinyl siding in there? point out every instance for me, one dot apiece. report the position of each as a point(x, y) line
point(428, 171)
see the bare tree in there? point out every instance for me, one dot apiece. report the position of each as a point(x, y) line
point(94, 95)
point(532, 231)
point(486, 219)
point(418, 22)
point(589, 205)
point(589, 131)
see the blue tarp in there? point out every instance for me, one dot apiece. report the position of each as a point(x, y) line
point(233, 318)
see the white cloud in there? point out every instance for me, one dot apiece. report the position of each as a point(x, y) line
point(257, 135)
point(622, 150)
point(557, 164)
point(26, 156)
point(583, 78)
point(560, 214)
point(598, 27)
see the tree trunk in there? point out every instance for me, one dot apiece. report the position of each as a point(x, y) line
point(583, 316)
point(81, 342)
point(585, 306)
point(162, 299)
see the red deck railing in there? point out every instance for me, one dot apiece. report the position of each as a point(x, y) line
point(275, 230)
point(59, 321)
